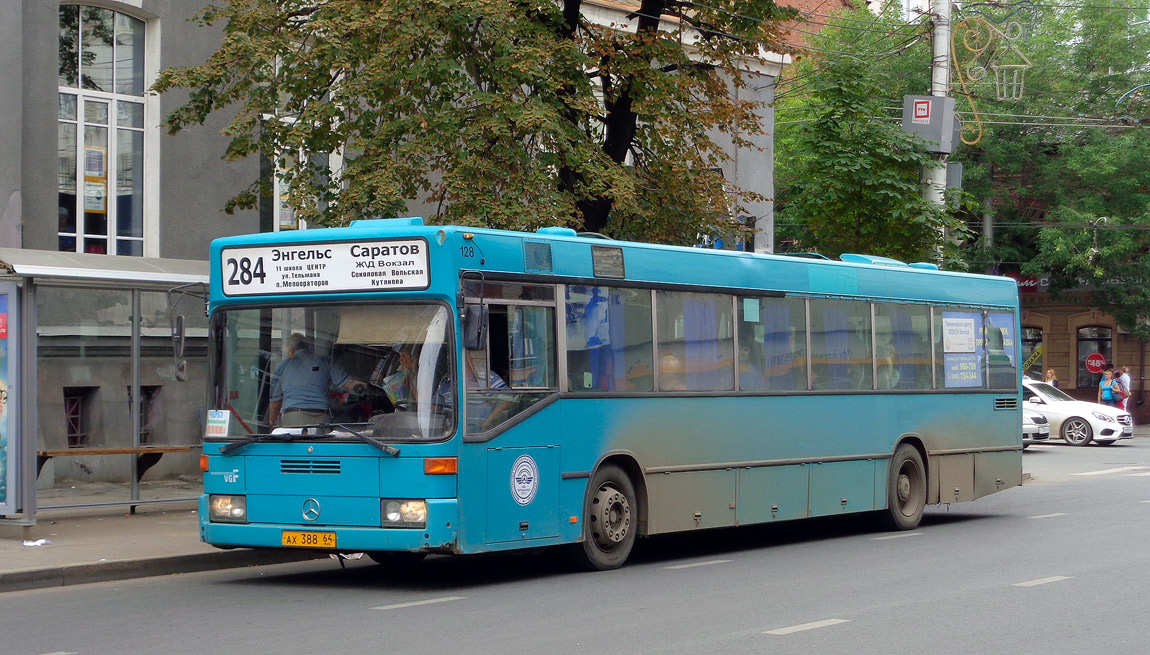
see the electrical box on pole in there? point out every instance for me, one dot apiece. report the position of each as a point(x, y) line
point(932, 119)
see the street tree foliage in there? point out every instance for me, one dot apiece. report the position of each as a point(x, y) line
point(848, 177)
point(510, 114)
point(1069, 190)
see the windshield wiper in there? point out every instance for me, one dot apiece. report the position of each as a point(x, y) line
point(274, 436)
point(390, 450)
point(305, 434)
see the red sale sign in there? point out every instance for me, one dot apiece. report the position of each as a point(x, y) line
point(1095, 362)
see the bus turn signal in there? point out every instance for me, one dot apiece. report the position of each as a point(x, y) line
point(440, 466)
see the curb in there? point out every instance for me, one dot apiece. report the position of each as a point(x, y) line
point(75, 574)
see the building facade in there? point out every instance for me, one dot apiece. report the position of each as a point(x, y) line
point(88, 174)
point(1062, 334)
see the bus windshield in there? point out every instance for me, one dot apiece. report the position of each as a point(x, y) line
point(383, 369)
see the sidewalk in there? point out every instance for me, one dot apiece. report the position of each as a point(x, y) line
point(98, 545)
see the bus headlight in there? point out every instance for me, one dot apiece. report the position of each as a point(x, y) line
point(397, 513)
point(228, 509)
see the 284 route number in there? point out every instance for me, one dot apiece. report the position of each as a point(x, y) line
point(242, 271)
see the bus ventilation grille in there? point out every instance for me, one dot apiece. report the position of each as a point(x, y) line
point(1006, 403)
point(309, 466)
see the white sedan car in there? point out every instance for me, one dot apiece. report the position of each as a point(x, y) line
point(1076, 421)
point(1035, 427)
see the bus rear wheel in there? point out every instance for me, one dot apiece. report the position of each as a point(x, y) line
point(609, 520)
point(905, 489)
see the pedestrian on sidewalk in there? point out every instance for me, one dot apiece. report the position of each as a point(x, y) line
point(1108, 391)
point(1124, 380)
point(1050, 378)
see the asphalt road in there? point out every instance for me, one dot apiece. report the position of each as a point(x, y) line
point(1059, 565)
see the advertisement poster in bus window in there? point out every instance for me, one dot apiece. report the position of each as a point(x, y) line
point(4, 414)
point(960, 349)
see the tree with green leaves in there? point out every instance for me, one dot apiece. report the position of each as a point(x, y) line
point(1062, 170)
point(848, 176)
point(505, 114)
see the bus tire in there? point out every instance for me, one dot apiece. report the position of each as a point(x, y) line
point(610, 520)
point(905, 489)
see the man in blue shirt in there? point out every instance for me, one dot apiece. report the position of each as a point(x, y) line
point(301, 384)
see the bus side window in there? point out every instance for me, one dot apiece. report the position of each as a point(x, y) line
point(608, 339)
point(840, 344)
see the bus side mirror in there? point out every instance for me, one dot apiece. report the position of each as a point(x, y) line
point(475, 327)
point(178, 341)
point(178, 336)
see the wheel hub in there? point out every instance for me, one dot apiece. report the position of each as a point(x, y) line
point(903, 487)
point(611, 517)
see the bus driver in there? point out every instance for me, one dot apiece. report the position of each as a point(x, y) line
point(301, 384)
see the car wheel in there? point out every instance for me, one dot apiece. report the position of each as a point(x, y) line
point(1076, 431)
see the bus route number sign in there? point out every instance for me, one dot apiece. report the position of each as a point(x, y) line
point(390, 265)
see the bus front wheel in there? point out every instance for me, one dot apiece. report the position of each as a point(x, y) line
point(609, 520)
point(905, 489)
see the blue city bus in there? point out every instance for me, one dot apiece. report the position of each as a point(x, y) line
point(492, 390)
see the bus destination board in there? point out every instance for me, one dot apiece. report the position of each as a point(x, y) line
point(392, 265)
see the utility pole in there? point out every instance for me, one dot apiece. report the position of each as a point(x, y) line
point(935, 176)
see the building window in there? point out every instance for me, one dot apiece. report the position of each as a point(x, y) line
point(1092, 339)
point(100, 143)
point(1033, 356)
point(78, 414)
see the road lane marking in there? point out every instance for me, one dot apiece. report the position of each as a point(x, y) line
point(806, 626)
point(1042, 446)
point(1137, 475)
point(416, 603)
point(1033, 583)
point(897, 536)
point(1109, 471)
point(1047, 516)
point(61, 652)
point(691, 566)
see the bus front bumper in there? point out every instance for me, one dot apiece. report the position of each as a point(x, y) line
point(438, 535)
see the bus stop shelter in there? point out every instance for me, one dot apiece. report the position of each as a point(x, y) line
point(90, 397)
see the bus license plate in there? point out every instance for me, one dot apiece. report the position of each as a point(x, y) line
point(297, 539)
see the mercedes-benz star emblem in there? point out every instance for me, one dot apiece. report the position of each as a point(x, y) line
point(310, 509)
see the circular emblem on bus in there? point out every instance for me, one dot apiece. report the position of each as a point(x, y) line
point(310, 509)
point(524, 480)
